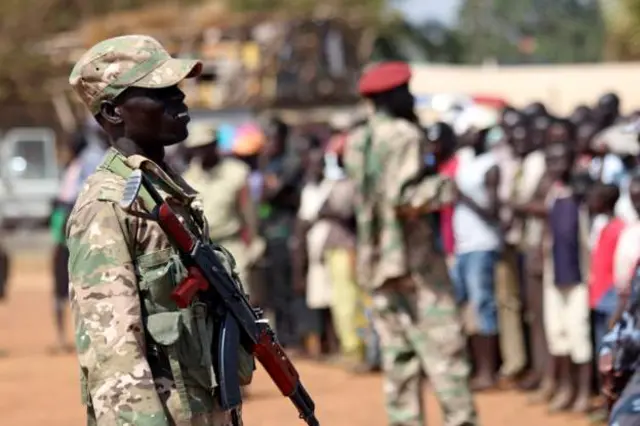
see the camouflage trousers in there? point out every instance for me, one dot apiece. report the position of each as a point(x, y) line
point(626, 411)
point(421, 334)
point(216, 417)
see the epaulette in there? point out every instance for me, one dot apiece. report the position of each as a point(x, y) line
point(109, 193)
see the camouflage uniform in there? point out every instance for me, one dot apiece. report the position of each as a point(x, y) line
point(143, 361)
point(419, 329)
point(624, 342)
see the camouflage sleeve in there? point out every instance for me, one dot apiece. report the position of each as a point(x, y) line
point(403, 161)
point(400, 159)
point(108, 324)
point(352, 156)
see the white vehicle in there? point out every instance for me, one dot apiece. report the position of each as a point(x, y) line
point(30, 176)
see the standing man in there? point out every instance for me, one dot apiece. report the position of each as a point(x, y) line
point(398, 259)
point(227, 203)
point(143, 361)
point(282, 179)
point(478, 235)
point(515, 146)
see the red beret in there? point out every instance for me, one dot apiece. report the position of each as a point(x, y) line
point(383, 77)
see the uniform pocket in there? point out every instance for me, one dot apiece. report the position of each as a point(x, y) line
point(246, 366)
point(178, 337)
point(159, 272)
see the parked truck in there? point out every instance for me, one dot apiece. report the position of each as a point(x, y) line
point(29, 176)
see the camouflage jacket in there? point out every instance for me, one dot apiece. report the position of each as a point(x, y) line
point(623, 340)
point(383, 156)
point(143, 361)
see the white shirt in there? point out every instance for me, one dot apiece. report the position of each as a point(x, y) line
point(624, 207)
point(626, 257)
point(313, 197)
point(534, 167)
point(471, 231)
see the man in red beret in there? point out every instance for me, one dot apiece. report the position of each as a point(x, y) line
point(398, 260)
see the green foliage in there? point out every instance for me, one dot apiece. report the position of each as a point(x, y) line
point(542, 31)
point(622, 18)
point(428, 42)
point(301, 7)
point(25, 23)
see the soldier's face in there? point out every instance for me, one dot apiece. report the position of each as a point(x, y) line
point(154, 116)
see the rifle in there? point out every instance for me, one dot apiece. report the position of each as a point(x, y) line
point(241, 324)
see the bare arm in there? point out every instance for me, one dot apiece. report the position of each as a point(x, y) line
point(248, 212)
point(299, 256)
point(490, 213)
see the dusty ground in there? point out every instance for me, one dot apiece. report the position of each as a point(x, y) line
point(38, 389)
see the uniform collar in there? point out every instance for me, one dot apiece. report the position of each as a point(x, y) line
point(169, 181)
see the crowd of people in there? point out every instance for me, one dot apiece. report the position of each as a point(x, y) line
point(540, 240)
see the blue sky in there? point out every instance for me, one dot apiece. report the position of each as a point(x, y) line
point(420, 10)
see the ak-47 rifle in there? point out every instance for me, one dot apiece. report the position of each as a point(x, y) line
point(241, 324)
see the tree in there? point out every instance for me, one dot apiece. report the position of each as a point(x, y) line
point(26, 23)
point(428, 42)
point(544, 31)
point(622, 19)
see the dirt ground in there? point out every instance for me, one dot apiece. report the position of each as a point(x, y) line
point(39, 389)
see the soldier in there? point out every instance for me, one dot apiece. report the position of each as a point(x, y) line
point(619, 354)
point(143, 361)
point(228, 207)
point(398, 262)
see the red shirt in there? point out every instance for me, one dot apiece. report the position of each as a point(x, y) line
point(601, 275)
point(448, 169)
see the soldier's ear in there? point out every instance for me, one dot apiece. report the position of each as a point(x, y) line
point(110, 112)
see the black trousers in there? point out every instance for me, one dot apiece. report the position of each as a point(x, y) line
point(293, 318)
point(60, 272)
point(5, 264)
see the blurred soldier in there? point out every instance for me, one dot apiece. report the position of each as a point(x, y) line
point(227, 204)
point(398, 258)
point(224, 185)
point(143, 361)
point(619, 354)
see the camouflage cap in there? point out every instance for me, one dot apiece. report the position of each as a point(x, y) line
point(112, 66)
